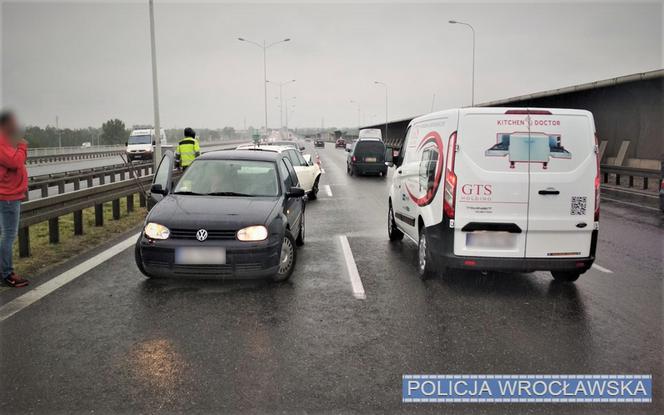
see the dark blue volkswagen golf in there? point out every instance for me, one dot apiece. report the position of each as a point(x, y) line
point(232, 214)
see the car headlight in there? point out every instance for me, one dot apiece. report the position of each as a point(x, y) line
point(252, 233)
point(156, 231)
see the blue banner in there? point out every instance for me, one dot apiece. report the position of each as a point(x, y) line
point(527, 388)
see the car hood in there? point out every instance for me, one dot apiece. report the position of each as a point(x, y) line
point(212, 212)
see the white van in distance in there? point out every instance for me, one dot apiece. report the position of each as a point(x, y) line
point(140, 144)
point(499, 189)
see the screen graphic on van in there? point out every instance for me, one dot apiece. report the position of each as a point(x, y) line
point(528, 148)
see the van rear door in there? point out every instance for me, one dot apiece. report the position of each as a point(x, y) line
point(491, 208)
point(563, 168)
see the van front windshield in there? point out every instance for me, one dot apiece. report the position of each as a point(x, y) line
point(139, 139)
point(230, 178)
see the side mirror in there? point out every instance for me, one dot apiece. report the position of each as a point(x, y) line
point(389, 156)
point(295, 192)
point(397, 160)
point(301, 148)
point(154, 143)
point(347, 149)
point(158, 189)
point(126, 143)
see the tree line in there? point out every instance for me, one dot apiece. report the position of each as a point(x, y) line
point(111, 132)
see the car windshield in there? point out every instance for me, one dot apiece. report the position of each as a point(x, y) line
point(230, 178)
point(140, 139)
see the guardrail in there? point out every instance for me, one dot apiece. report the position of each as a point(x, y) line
point(52, 208)
point(52, 151)
point(82, 154)
point(88, 176)
point(620, 172)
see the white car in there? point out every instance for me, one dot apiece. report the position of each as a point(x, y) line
point(491, 189)
point(308, 172)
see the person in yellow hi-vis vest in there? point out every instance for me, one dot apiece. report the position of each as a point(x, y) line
point(187, 149)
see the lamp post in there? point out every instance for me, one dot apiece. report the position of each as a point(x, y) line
point(386, 119)
point(155, 92)
point(359, 121)
point(281, 100)
point(265, 46)
point(287, 108)
point(472, 97)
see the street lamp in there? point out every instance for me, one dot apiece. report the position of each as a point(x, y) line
point(386, 119)
point(472, 98)
point(265, 46)
point(359, 122)
point(281, 100)
point(155, 92)
point(287, 108)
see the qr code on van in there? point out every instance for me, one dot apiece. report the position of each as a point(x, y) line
point(578, 206)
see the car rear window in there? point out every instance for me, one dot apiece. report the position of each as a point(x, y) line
point(370, 149)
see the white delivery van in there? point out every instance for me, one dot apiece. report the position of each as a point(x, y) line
point(494, 189)
point(140, 144)
point(370, 133)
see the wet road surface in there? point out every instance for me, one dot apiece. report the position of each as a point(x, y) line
point(115, 342)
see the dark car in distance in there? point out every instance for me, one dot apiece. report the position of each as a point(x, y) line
point(232, 214)
point(319, 142)
point(367, 156)
point(340, 143)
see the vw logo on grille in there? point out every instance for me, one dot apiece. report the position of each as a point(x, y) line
point(201, 235)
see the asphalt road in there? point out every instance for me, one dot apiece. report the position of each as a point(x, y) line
point(115, 342)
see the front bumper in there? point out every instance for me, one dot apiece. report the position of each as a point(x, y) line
point(244, 260)
point(142, 156)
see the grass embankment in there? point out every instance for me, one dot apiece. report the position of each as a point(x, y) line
point(46, 255)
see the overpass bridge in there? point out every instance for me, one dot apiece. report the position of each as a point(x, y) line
point(628, 110)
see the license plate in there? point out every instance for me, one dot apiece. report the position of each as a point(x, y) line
point(370, 159)
point(200, 256)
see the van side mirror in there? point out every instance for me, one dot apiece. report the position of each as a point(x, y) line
point(397, 158)
point(154, 143)
point(347, 149)
point(158, 189)
point(389, 156)
point(126, 143)
point(295, 192)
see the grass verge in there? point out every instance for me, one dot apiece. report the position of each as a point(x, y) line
point(46, 255)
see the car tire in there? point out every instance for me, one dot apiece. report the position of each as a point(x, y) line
point(286, 264)
point(139, 259)
point(299, 241)
point(565, 276)
point(425, 263)
point(392, 231)
point(313, 194)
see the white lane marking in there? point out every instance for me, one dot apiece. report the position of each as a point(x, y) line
point(322, 171)
point(34, 295)
point(630, 204)
point(328, 190)
point(602, 269)
point(355, 281)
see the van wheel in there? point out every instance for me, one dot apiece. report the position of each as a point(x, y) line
point(286, 259)
point(139, 259)
point(565, 276)
point(425, 265)
point(392, 231)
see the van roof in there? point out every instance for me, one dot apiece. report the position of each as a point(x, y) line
point(499, 110)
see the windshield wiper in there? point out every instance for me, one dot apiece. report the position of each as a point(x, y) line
point(186, 192)
point(228, 194)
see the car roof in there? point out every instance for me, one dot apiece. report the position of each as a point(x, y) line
point(241, 155)
point(265, 147)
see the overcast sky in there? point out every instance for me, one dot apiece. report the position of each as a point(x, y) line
point(87, 61)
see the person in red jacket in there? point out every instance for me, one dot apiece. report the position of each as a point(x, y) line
point(13, 186)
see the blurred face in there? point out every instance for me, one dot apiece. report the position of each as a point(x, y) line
point(11, 128)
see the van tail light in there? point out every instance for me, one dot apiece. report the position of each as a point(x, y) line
point(450, 177)
point(353, 159)
point(597, 179)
